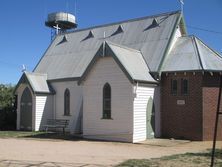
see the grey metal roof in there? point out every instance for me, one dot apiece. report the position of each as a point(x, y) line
point(131, 62)
point(69, 58)
point(37, 82)
point(191, 54)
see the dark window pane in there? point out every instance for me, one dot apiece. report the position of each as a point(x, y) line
point(174, 86)
point(184, 86)
point(107, 101)
point(67, 102)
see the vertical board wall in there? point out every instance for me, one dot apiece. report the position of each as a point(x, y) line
point(142, 95)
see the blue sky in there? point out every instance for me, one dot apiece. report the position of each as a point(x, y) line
point(24, 38)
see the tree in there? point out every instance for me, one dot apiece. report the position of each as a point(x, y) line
point(7, 107)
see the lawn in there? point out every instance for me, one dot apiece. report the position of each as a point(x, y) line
point(18, 134)
point(36, 135)
point(180, 160)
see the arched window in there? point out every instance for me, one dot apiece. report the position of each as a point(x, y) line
point(67, 102)
point(106, 101)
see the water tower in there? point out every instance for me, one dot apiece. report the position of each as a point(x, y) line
point(60, 22)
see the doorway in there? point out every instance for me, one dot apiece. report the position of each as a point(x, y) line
point(26, 110)
point(150, 119)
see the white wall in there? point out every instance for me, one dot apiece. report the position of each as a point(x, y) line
point(75, 103)
point(43, 110)
point(174, 39)
point(120, 127)
point(142, 95)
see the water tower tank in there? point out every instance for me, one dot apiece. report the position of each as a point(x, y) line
point(61, 20)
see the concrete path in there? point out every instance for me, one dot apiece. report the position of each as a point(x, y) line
point(32, 152)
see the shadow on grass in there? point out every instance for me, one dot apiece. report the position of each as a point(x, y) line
point(187, 159)
point(218, 153)
point(54, 136)
point(207, 154)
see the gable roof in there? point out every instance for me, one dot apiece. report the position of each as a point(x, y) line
point(191, 54)
point(37, 82)
point(130, 61)
point(70, 59)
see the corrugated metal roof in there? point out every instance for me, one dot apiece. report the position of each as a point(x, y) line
point(37, 82)
point(133, 61)
point(211, 60)
point(191, 54)
point(70, 59)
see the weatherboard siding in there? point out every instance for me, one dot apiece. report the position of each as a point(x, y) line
point(142, 95)
point(40, 106)
point(43, 110)
point(75, 116)
point(120, 127)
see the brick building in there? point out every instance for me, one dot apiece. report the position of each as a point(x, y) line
point(189, 91)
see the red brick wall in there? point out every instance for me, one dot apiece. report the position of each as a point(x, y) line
point(210, 100)
point(182, 121)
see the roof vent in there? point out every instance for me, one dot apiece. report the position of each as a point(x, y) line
point(90, 35)
point(64, 39)
point(119, 30)
point(153, 25)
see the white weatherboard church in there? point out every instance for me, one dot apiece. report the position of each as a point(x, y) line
point(107, 86)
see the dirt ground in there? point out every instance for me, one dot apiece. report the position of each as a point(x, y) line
point(33, 152)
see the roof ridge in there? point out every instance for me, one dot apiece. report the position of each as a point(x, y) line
point(198, 53)
point(124, 21)
point(124, 47)
point(35, 73)
point(212, 50)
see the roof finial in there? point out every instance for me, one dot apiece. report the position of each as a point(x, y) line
point(104, 43)
point(23, 68)
point(104, 34)
point(181, 3)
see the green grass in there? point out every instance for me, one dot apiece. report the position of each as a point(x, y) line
point(180, 160)
point(36, 135)
point(18, 134)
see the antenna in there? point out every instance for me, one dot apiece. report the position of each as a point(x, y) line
point(67, 6)
point(75, 7)
point(181, 5)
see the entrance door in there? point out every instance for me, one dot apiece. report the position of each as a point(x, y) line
point(26, 110)
point(150, 123)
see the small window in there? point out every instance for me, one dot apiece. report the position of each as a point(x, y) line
point(174, 86)
point(184, 86)
point(67, 102)
point(106, 101)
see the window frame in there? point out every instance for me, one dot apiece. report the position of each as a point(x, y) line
point(67, 102)
point(107, 101)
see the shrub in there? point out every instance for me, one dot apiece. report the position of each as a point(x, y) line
point(7, 108)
